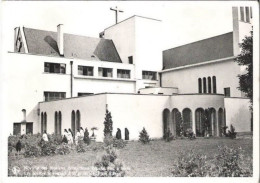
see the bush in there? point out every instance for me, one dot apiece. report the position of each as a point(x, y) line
point(190, 134)
point(62, 149)
point(117, 143)
point(168, 136)
point(229, 162)
point(108, 165)
point(55, 139)
point(48, 148)
point(144, 137)
point(31, 150)
point(232, 163)
point(231, 133)
point(81, 147)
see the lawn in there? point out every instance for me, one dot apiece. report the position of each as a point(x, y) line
point(154, 159)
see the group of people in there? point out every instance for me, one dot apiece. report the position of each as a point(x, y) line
point(69, 137)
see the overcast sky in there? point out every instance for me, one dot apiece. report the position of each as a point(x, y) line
point(182, 22)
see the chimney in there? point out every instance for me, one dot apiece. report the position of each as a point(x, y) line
point(60, 39)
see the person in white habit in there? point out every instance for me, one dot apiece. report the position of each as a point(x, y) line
point(70, 138)
point(77, 137)
point(45, 136)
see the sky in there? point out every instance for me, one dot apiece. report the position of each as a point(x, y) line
point(182, 22)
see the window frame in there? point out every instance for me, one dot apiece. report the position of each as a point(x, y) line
point(123, 73)
point(86, 70)
point(149, 75)
point(105, 74)
point(54, 68)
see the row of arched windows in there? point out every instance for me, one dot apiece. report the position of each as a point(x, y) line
point(205, 121)
point(43, 122)
point(207, 85)
point(75, 121)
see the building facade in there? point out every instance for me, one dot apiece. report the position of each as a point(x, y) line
point(68, 81)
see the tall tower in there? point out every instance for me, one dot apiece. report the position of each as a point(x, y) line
point(242, 25)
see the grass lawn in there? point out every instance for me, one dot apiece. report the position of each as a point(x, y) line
point(154, 159)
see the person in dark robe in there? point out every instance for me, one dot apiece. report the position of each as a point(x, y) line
point(86, 136)
point(126, 134)
point(118, 134)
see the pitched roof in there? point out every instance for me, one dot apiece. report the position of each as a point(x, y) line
point(75, 46)
point(201, 51)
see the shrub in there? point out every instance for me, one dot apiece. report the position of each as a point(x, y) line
point(31, 150)
point(229, 162)
point(168, 136)
point(48, 148)
point(144, 137)
point(55, 139)
point(232, 163)
point(81, 147)
point(231, 133)
point(62, 149)
point(117, 143)
point(108, 123)
point(190, 134)
point(108, 165)
point(190, 165)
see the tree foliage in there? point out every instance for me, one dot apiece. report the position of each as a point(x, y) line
point(245, 58)
point(108, 123)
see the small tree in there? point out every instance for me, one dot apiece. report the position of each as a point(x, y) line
point(108, 123)
point(179, 124)
point(144, 137)
point(246, 58)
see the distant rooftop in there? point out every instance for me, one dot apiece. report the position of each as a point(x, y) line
point(213, 48)
point(82, 47)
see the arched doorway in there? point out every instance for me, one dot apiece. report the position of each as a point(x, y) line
point(200, 122)
point(187, 119)
point(213, 123)
point(73, 121)
point(176, 120)
point(166, 118)
point(221, 121)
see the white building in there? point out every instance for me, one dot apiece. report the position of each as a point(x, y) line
point(68, 81)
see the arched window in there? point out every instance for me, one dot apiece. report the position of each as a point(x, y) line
point(42, 122)
point(187, 118)
point(45, 122)
point(56, 123)
point(221, 120)
point(166, 118)
point(77, 120)
point(73, 122)
point(214, 84)
point(200, 85)
point(200, 122)
point(204, 85)
point(59, 125)
point(209, 84)
point(24, 114)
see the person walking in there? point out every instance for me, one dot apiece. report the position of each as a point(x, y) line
point(45, 136)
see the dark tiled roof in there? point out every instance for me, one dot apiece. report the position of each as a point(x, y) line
point(201, 51)
point(82, 47)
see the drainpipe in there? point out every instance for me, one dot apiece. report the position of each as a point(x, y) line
point(71, 78)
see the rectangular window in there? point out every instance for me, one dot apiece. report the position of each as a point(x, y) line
point(130, 60)
point(227, 92)
point(105, 72)
point(242, 16)
point(54, 68)
point(247, 14)
point(85, 70)
point(84, 94)
point(149, 75)
point(251, 13)
point(121, 73)
point(49, 96)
